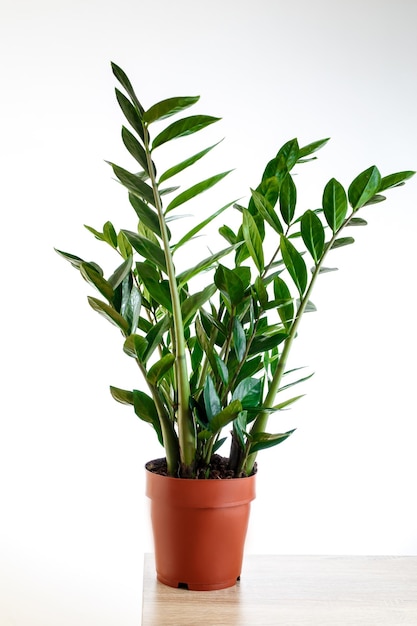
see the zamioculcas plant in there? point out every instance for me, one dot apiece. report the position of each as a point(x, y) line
point(213, 358)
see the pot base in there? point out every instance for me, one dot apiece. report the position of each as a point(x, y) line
point(197, 586)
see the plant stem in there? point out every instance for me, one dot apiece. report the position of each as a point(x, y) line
point(261, 420)
point(186, 433)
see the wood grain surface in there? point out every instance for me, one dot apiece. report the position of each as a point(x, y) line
point(294, 591)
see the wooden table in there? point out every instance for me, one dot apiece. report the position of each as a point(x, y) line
point(294, 591)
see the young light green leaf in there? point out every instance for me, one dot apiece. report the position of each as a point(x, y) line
point(295, 264)
point(172, 171)
point(253, 240)
point(364, 187)
point(166, 108)
point(312, 232)
point(334, 204)
point(183, 127)
point(122, 395)
point(195, 190)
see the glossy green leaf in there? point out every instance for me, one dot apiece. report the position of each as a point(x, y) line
point(249, 392)
point(262, 343)
point(342, 241)
point(312, 232)
point(135, 148)
point(144, 406)
point(357, 221)
point(147, 215)
point(295, 264)
point(230, 284)
point(204, 265)
point(126, 84)
point(267, 211)
point(147, 249)
point(160, 368)
point(96, 279)
point(109, 313)
point(253, 240)
point(75, 261)
point(261, 292)
point(172, 171)
point(135, 346)
point(134, 184)
point(261, 441)
point(194, 302)
point(334, 204)
point(131, 303)
point(120, 273)
point(122, 395)
point(222, 370)
point(130, 113)
point(376, 199)
point(239, 339)
point(183, 127)
point(295, 382)
point(311, 148)
point(394, 180)
point(225, 416)
point(196, 229)
point(287, 199)
point(366, 185)
point(195, 190)
point(288, 155)
point(286, 403)
point(211, 399)
point(154, 337)
point(166, 108)
point(283, 301)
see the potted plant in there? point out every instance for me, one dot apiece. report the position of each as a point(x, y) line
point(212, 355)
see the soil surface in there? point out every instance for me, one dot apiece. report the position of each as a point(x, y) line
point(218, 469)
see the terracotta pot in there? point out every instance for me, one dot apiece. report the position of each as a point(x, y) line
point(199, 529)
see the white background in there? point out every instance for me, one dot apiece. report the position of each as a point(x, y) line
point(73, 520)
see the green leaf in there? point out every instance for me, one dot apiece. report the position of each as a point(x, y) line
point(311, 147)
point(261, 441)
point(222, 370)
point(283, 405)
point(239, 339)
point(195, 190)
point(204, 265)
point(211, 399)
point(183, 127)
point(226, 416)
point(147, 215)
point(334, 204)
point(155, 336)
point(364, 187)
point(253, 240)
point(394, 180)
point(230, 284)
point(267, 211)
point(120, 273)
point(109, 313)
point(261, 292)
point(166, 108)
point(144, 406)
point(147, 249)
point(357, 221)
point(312, 232)
point(295, 264)
point(194, 302)
point(75, 261)
point(135, 346)
point(287, 199)
point(134, 183)
point(283, 301)
point(131, 113)
point(172, 171)
point(249, 392)
point(135, 148)
point(131, 303)
point(262, 343)
point(160, 368)
point(287, 156)
point(193, 231)
point(96, 279)
point(342, 241)
point(121, 395)
point(125, 82)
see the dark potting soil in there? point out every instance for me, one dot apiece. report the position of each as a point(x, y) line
point(218, 469)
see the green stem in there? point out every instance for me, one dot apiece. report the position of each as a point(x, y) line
point(261, 420)
point(186, 431)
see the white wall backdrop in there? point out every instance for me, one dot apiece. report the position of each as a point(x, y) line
point(73, 521)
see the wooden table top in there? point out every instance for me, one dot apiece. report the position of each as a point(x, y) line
point(294, 591)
